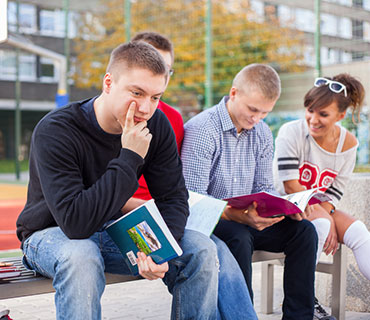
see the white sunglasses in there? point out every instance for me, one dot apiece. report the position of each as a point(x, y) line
point(334, 86)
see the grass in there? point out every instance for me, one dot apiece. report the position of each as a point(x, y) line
point(10, 253)
point(362, 168)
point(8, 166)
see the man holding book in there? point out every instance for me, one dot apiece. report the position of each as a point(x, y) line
point(84, 165)
point(227, 151)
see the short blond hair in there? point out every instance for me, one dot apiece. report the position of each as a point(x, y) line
point(259, 77)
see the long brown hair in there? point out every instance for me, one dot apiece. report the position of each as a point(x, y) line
point(320, 97)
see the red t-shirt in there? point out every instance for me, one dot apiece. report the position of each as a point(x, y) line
point(177, 124)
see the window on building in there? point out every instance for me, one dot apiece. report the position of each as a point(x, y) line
point(367, 31)
point(7, 64)
point(342, 2)
point(345, 27)
point(259, 11)
point(27, 17)
point(324, 56)
point(329, 56)
point(47, 70)
point(304, 20)
point(270, 10)
point(52, 23)
point(367, 4)
point(357, 56)
point(309, 56)
point(333, 55)
point(286, 15)
point(27, 66)
point(357, 29)
point(345, 57)
point(72, 24)
point(347, 3)
point(329, 24)
point(357, 3)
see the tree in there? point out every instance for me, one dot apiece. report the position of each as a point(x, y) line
point(238, 40)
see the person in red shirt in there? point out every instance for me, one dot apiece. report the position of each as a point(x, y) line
point(165, 48)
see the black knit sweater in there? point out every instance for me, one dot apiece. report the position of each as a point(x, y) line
point(80, 176)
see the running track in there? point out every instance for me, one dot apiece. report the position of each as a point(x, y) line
point(12, 200)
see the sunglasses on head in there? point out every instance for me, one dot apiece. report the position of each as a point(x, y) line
point(334, 86)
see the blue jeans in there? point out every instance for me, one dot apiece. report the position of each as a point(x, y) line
point(206, 281)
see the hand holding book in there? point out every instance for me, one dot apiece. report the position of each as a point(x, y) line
point(270, 205)
point(250, 217)
point(148, 269)
point(143, 230)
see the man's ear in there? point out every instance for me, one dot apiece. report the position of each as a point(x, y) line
point(232, 93)
point(107, 82)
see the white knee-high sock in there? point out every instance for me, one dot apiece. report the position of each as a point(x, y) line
point(322, 227)
point(357, 238)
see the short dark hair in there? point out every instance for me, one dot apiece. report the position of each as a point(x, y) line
point(156, 39)
point(136, 55)
point(320, 97)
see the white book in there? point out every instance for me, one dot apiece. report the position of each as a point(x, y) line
point(205, 212)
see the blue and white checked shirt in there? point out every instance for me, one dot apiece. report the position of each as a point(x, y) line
point(219, 162)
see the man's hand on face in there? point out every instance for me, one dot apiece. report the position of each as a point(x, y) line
point(148, 269)
point(135, 137)
point(250, 217)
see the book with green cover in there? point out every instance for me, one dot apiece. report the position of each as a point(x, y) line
point(143, 229)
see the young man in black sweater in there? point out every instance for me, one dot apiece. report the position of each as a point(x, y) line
point(84, 165)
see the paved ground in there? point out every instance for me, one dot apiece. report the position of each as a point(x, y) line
point(11, 178)
point(145, 300)
point(131, 300)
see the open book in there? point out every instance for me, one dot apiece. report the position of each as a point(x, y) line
point(270, 205)
point(205, 212)
point(143, 229)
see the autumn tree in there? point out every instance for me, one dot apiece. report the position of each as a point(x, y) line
point(238, 39)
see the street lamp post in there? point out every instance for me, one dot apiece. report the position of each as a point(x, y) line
point(318, 38)
point(17, 114)
point(128, 19)
point(209, 84)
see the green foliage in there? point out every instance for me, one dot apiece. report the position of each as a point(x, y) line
point(10, 254)
point(238, 39)
point(362, 168)
point(8, 166)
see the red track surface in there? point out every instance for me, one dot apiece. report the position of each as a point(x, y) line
point(9, 211)
point(12, 200)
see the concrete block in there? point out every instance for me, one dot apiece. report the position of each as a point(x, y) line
point(356, 201)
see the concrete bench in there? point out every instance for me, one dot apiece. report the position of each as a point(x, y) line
point(356, 202)
point(339, 283)
point(30, 283)
point(337, 269)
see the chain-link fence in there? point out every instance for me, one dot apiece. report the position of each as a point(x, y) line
point(214, 39)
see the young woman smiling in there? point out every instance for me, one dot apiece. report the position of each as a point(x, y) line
point(317, 152)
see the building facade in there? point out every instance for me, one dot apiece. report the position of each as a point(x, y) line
point(344, 26)
point(345, 47)
point(43, 24)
